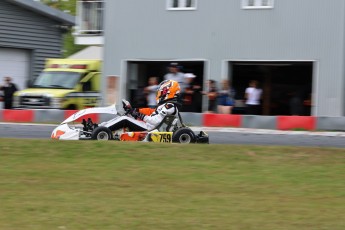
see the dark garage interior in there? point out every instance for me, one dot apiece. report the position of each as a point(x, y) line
point(281, 82)
point(138, 73)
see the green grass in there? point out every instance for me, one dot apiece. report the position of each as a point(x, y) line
point(48, 184)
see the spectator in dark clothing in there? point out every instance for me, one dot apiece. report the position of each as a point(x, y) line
point(8, 89)
point(197, 98)
point(188, 94)
point(212, 94)
point(191, 97)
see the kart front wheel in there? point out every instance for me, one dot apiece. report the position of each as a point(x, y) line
point(101, 133)
point(184, 136)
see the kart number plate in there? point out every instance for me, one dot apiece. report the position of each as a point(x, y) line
point(165, 137)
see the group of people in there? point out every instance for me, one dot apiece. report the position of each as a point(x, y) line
point(223, 100)
point(190, 93)
point(6, 92)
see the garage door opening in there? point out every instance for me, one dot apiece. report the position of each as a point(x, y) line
point(287, 86)
point(16, 64)
point(138, 73)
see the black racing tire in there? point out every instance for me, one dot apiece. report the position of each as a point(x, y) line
point(184, 135)
point(101, 133)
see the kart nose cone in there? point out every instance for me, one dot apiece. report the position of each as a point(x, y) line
point(64, 132)
point(57, 133)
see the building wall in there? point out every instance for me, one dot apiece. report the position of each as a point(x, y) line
point(23, 29)
point(221, 30)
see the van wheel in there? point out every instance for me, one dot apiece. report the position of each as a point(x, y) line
point(184, 136)
point(71, 107)
point(101, 133)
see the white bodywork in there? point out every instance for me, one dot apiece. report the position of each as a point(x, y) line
point(65, 132)
point(107, 110)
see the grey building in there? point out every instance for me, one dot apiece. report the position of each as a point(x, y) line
point(30, 33)
point(289, 46)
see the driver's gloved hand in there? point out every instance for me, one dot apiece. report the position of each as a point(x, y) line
point(126, 105)
point(136, 114)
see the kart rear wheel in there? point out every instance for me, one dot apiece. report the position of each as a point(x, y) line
point(101, 133)
point(184, 136)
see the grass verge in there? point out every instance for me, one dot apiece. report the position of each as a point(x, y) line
point(48, 184)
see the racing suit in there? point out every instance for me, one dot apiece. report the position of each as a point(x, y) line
point(145, 119)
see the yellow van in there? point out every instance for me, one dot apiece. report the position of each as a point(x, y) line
point(63, 84)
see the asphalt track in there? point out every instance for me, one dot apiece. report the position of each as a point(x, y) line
point(217, 135)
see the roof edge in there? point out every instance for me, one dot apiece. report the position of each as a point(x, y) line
point(40, 8)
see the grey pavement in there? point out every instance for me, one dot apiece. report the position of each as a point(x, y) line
point(229, 130)
point(268, 131)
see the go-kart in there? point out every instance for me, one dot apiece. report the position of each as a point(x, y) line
point(171, 129)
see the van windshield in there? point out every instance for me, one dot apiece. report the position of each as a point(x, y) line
point(57, 79)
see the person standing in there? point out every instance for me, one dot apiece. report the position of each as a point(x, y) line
point(253, 97)
point(188, 94)
point(175, 74)
point(212, 93)
point(9, 88)
point(150, 91)
point(226, 98)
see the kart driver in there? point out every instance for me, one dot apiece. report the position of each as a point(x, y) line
point(146, 119)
